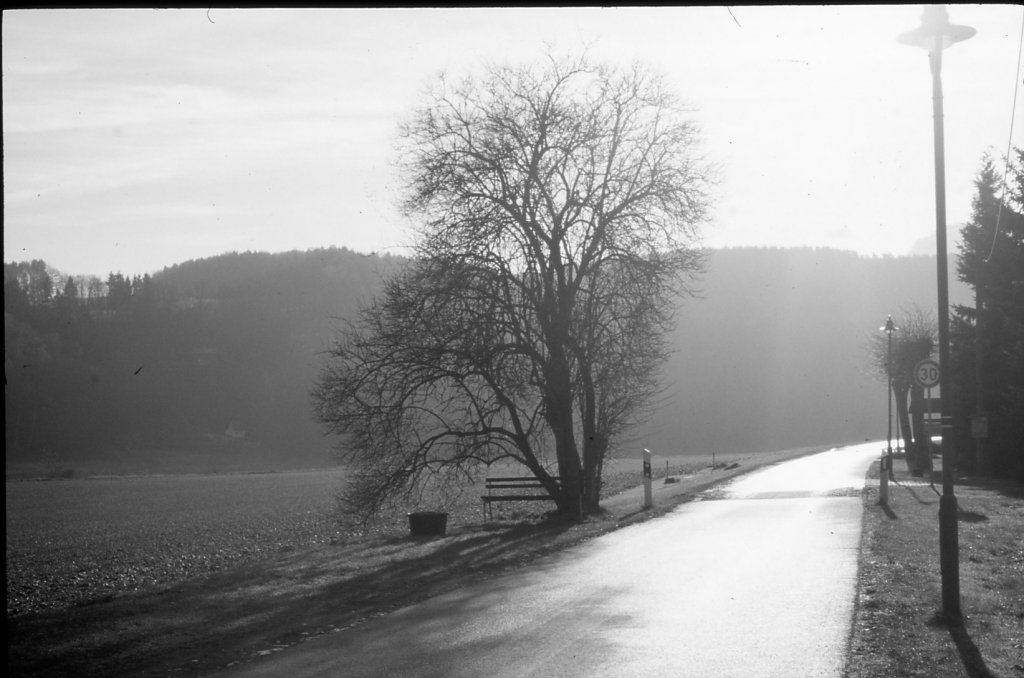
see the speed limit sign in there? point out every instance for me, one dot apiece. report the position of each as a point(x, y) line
point(926, 373)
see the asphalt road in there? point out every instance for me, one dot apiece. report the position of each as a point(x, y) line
point(755, 579)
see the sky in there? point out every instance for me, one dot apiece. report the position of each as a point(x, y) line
point(138, 139)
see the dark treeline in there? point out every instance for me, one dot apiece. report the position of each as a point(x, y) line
point(224, 351)
point(201, 355)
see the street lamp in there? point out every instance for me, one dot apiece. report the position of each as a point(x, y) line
point(936, 34)
point(885, 472)
point(889, 328)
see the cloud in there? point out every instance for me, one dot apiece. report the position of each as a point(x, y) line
point(122, 119)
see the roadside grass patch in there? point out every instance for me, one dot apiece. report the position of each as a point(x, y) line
point(898, 629)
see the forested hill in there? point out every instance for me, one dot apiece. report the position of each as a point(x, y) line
point(217, 356)
point(773, 353)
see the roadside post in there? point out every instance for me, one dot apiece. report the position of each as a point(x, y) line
point(885, 464)
point(883, 478)
point(648, 499)
point(927, 375)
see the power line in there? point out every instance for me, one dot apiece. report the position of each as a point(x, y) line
point(1009, 141)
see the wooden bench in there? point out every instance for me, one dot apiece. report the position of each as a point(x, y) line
point(506, 488)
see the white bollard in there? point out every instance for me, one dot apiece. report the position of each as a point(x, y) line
point(648, 499)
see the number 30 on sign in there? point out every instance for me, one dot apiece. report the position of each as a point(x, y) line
point(926, 373)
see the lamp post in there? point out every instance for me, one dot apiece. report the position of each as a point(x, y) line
point(889, 328)
point(936, 34)
point(885, 471)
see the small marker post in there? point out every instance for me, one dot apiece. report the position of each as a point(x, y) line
point(883, 478)
point(648, 499)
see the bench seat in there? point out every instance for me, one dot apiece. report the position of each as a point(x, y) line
point(514, 488)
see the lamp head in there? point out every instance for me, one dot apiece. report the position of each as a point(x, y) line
point(890, 327)
point(935, 24)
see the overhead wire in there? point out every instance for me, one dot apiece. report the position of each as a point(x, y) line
point(1009, 141)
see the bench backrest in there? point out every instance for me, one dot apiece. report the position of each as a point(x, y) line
point(516, 483)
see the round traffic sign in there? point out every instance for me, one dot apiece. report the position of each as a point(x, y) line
point(926, 373)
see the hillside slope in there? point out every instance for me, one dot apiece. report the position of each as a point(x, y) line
point(216, 357)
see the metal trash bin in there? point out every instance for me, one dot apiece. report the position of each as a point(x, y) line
point(428, 523)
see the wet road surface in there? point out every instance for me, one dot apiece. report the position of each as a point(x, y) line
point(755, 579)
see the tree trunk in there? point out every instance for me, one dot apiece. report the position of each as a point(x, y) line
point(901, 391)
point(560, 418)
point(570, 501)
point(560, 402)
point(593, 454)
point(922, 459)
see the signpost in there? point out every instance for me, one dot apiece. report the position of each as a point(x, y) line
point(927, 374)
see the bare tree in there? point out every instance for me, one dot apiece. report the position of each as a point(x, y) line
point(913, 342)
point(559, 206)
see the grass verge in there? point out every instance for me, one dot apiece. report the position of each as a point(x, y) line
point(898, 630)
